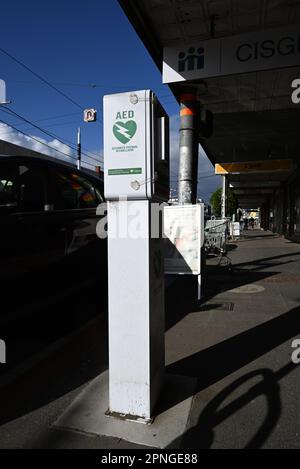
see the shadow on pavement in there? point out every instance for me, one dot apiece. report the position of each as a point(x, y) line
point(67, 371)
point(202, 435)
point(231, 247)
point(32, 328)
point(73, 364)
point(262, 263)
point(181, 299)
point(216, 362)
point(255, 234)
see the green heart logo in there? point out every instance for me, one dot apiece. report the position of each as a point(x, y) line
point(124, 131)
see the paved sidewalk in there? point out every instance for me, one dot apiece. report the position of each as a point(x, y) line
point(236, 342)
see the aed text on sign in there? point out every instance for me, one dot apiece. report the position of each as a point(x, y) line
point(125, 115)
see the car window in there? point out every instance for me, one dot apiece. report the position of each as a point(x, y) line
point(8, 184)
point(68, 190)
point(32, 188)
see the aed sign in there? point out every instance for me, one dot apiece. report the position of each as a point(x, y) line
point(125, 131)
point(134, 148)
point(125, 145)
point(251, 52)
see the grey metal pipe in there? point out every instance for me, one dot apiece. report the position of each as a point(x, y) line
point(188, 149)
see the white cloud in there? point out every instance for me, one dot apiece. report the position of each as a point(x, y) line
point(10, 135)
point(206, 185)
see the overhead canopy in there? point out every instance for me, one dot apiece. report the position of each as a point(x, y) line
point(254, 116)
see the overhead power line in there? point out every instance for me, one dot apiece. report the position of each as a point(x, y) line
point(62, 140)
point(41, 78)
point(47, 82)
point(54, 117)
point(58, 124)
point(50, 134)
point(37, 140)
point(44, 143)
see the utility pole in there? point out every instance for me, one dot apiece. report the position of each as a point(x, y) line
point(3, 100)
point(79, 148)
point(188, 147)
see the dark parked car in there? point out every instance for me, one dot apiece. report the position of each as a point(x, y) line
point(47, 227)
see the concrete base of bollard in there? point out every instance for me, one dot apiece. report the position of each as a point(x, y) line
point(88, 414)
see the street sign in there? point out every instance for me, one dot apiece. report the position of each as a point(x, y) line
point(250, 52)
point(90, 115)
point(254, 167)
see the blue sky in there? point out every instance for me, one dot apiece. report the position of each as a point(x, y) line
point(75, 45)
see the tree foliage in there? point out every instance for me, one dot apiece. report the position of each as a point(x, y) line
point(216, 201)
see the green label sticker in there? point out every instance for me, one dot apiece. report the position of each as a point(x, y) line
point(124, 131)
point(124, 171)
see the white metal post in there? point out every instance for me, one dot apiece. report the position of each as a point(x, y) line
point(136, 314)
point(79, 148)
point(136, 168)
point(223, 197)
